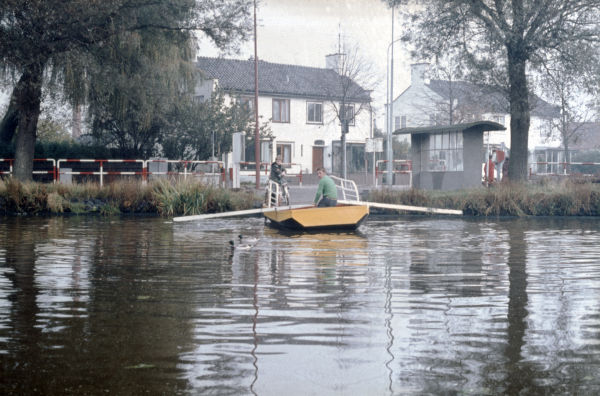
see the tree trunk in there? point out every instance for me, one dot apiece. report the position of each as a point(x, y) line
point(28, 95)
point(519, 116)
point(8, 126)
point(344, 175)
point(567, 163)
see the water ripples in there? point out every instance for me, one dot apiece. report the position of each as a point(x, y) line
point(411, 305)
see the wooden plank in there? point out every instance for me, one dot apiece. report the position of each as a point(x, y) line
point(404, 207)
point(234, 213)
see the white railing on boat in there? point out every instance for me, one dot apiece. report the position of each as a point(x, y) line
point(274, 195)
point(348, 189)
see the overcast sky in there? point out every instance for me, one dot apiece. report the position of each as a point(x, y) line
point(302, 32)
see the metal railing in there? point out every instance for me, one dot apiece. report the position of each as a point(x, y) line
point(101, 168)
point(51, 171)
point(557, 165)
point(406, 164)
point(347, 188)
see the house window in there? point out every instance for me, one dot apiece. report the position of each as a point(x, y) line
point(396, 123)
point(281, 110)
point(444, 153)
point(314, 112)
point(347, 113)
point(285, 150)
point(355, 157)
point(247, 103)
point(403, 122)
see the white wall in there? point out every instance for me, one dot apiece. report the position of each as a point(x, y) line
point(302, 135)
point(417, 102)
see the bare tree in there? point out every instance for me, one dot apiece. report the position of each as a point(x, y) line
point(346, 93)
point(502, 41)
point(566, 88)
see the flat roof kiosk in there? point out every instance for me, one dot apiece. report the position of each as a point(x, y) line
point(448, 157)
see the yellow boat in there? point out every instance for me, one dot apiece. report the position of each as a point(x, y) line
point(349, 213)
point(344, 216)
point(340, 217)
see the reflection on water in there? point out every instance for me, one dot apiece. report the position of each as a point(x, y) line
point(406, 306)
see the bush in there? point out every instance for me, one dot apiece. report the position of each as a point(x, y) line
point(567, 198)
point(162, 197)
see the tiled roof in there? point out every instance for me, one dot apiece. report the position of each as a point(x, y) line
point(488, 99)
point(279, 79)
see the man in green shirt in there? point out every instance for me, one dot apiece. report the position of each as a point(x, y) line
point(327, 191)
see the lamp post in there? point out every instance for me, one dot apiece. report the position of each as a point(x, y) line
point(256, 127)
point(390, 107)
point(390, 111)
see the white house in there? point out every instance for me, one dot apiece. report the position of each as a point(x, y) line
point(300, 102)
point(434, 102)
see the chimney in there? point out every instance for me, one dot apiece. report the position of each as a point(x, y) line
point(335, 62)
point(418, 73)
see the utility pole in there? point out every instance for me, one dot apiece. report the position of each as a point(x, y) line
point(390, 154)
point(256, 128)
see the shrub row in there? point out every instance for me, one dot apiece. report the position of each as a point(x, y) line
point(562, 199)
point(159, 197)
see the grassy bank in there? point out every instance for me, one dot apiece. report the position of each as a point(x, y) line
point(159, 197)
point(188, 198)
point(549, 199)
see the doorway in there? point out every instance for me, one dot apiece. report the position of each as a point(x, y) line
point(317, 158)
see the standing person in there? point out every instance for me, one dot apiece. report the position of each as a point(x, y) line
point(277, 171)
point(505, 170)
point(327, 191)
point(498, 161)
point(489, 171)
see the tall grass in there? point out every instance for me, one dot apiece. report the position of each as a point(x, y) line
point(166, 198)
point(162, 197)
point(560, 199)
point(188, 198)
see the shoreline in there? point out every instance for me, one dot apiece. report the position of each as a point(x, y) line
point(166, 199)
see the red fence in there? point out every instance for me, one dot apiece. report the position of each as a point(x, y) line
point(41, 167)
point(100, 169)
point(249, 169)
point(404, 165)
point(550, 166)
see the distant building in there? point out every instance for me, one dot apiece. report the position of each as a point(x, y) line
point(297, 100)
point(448, 157)
point(439, 102)
point(584, 137)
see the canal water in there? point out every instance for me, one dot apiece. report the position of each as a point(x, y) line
point(409, 305)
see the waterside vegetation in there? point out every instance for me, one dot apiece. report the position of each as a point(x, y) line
point(158, 197)
point(164, 198)
point(567, 198)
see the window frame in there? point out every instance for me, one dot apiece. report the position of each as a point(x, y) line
point(248, 102)
point(443, 152)
point(281, 148)
point(283, 117)
point(308, 104)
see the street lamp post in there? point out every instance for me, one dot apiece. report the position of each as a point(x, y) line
point(390, 111)
point(390, 107)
